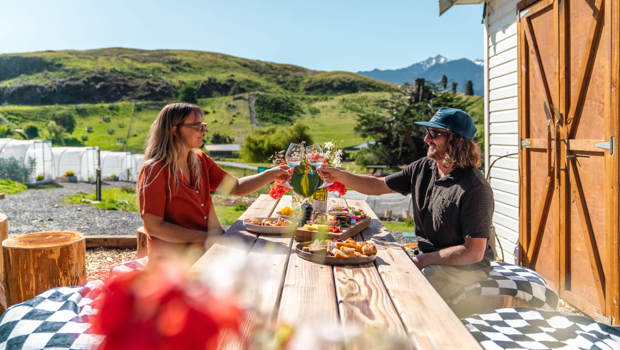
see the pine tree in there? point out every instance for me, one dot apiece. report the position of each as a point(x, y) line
point(469, 88)
point(444, 82)
point(454, 84)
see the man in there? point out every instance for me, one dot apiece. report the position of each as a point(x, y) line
point(452, 202)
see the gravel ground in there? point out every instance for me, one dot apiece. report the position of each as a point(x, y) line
point(42, 210)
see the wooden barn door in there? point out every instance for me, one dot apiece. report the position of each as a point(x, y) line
point(569, 163)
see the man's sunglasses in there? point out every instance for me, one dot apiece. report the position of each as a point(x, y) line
point(433, 133)
point(197, 126)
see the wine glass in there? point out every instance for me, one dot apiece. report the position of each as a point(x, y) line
point(316, 156)
point(293, 156)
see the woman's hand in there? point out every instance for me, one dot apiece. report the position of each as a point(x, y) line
point(280, 173)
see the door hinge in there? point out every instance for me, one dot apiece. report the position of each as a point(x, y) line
point(607, 145)
point(525, 143)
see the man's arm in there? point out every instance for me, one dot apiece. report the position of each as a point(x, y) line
point(470, 252)
point(362, 183)
point(169, 232)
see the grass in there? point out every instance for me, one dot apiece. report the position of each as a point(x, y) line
point(11, 187)
point(111, 199)
point(398, 226)
point(227, 215)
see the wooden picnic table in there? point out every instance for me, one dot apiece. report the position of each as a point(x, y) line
point(390, 294)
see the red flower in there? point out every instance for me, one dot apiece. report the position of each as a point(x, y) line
point(276, 191)
point(161, 308)
point(338, 187)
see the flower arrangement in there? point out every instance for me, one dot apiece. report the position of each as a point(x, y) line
point(161, 307)
point(329, 154)
point(69, 173)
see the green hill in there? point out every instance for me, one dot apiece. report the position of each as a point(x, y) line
point(116, 74)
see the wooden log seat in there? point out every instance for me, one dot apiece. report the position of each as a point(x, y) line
point(36, 262)
point(142, 240)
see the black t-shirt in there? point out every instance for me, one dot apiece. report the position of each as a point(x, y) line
point(447, 210)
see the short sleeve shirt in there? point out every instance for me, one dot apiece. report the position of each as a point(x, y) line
point(449, 209)
point(184, 205)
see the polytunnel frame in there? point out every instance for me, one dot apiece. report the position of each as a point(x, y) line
point(47, 173)
point(90, 169)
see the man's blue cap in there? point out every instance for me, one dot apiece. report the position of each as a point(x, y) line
point(454, 120)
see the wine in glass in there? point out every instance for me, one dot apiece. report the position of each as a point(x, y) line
point(316, 157)
point(293, 156)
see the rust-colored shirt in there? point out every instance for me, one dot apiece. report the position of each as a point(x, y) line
point(184, 205)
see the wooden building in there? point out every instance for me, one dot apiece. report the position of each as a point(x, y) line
point(552, 75)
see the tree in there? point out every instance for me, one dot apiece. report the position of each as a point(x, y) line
point(454, 84)
point(55, 132)
point(266, 142)
point(188, 94)
point(218, 138)
point(390, 124)
point(444, 82)
point(65, 120)
point(31, 131)
point(469, 88)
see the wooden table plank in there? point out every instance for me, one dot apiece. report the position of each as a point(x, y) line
point(308, 292)
point(362, 297)
point(429, 321)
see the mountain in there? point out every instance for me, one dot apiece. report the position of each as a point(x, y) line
point(115, 74)
point(432, 69)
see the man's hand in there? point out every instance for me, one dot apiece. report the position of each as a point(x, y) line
point(329, 174)
point(418, 260)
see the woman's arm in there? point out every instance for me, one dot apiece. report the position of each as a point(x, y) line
point(252, 183)
point(169, 232)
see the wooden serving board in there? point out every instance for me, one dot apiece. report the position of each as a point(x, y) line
point(307, 235)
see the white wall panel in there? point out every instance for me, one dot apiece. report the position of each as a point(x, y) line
point(510, 115)
point(503, 104)
point(504, 80)
point(501, 58)
point(497, 150)
point(504, 174)
point(504, 92)
point(507, 186)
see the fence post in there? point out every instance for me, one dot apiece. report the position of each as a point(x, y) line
point(98, 175)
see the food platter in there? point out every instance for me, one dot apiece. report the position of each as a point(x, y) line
point(325, 259)
point(254, 225)
point(307, 235)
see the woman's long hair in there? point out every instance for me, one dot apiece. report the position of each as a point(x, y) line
point(166, 147)
point(462, 152)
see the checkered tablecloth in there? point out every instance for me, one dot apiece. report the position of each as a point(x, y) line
point(512, 280)
point(511, 328)
point(59, 318)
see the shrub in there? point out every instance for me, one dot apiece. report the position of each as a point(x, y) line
point(121, 125)
point(31, 131)
point(111, 131)
point(264, 143)
point(84, 137)
point(107, 119)
point(276, 109)
point(55, 132)
point(218, 138)
point(65, 119)
point(40, 177)
point(69, 173)
point(14, 170)
point(11, 187)
point(89, 129)
point(4, 131)
point(188, 94)
point(313, 110)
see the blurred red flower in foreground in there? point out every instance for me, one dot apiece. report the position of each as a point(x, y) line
point(276, 191)
point(338, 187)
point(162, 308)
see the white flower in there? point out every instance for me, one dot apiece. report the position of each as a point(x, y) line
point(338, 158)
point(329, 145)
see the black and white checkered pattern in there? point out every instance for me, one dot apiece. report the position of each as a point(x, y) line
point(59, 318)
point(56, 319)
point(516, 281)
point(511, 328)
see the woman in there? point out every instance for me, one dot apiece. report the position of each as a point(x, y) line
point(176, 179)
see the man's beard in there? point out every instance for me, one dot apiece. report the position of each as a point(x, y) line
point(435, 154)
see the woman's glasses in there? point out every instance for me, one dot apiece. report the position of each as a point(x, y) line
point(433, 133)
point(196, 126)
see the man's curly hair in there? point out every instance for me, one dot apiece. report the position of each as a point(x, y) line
point(462, 152)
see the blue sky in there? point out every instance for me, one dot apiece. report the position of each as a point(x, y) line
point(325, 35)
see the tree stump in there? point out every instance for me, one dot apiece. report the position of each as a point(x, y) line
point(36, 262)
point(142, 241)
